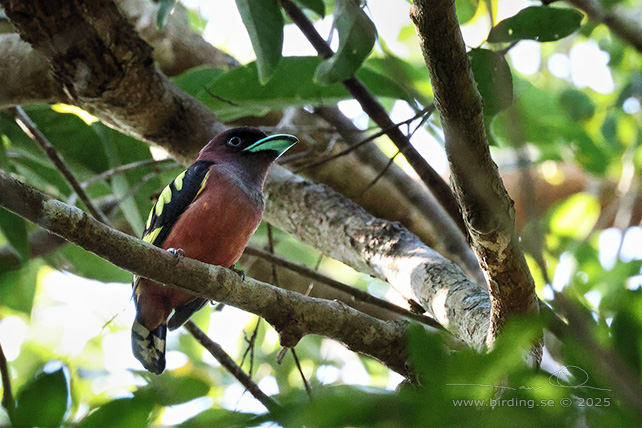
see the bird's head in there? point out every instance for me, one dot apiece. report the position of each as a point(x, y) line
point(248, 148)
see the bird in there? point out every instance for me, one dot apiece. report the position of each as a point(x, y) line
point(208, 213)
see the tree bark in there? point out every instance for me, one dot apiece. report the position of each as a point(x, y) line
point(487, 209)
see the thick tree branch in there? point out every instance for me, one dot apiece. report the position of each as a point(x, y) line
point(618, 20)
point(292, 315)
point(354, 292)
point(100, 61)
point(177, 47)
point(324, 219)
point(486, 207)
point(26, 76)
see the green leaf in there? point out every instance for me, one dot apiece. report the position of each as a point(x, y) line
point(577, 105)
point(4, 160)
point(170, 390)
point(238, 92)
point(219, 418)
point(317, 6)
point(122, 412)
point(357, 35)
point(594, 158)
point(164, 10)
point(264, 23)
point(466, 10)
point(44, 400)
point(14, 229)
point(494, 80)
point(77, 142)
point(576, 216)
point(540, 23)
point(409, 76)
point(18, 287)
point(121, 149)
point(74, 259)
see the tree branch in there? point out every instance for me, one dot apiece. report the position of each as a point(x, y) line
point(452, 242)
point(291, 314)
point(378, 114)
point(30, 128)
point(487, 209)
point(100, 61)
point(341, 229)
point(354, 292)
point(617, 19)
point(7, 397)
point(235, 370)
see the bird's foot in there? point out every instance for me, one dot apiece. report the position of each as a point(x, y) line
point(240, 273)
point(178, 253)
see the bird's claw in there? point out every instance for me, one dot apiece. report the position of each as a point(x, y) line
point(177, 252)
point(239, 272)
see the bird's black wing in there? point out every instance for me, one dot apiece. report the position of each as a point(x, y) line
point(174, 200)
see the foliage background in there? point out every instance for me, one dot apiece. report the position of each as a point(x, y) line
point(66, 316)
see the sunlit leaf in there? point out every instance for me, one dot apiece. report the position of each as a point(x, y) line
point(576, 216)
point(466, 10)
point(238, 92)
point(44, 400)
point(264, 23)
point(540, 23)
point(357, 35)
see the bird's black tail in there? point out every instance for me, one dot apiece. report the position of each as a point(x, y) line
point(149, 346)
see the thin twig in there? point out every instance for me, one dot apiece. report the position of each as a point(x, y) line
point(357, 294)
point(305, 381)
point(275, 280)
point(381, 174)
point(378, 114)
point(124, 168)
point(423, 113)
point(250, 346)
point(30, 128)
point(235, 370)
point(7, 397)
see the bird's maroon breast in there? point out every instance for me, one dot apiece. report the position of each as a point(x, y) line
point(218, 224)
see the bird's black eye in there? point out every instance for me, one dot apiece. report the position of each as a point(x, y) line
point(234, 141)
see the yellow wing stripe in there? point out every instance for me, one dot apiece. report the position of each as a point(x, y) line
point(178, 182)
point(151, 236)
point(203, 183)
point(149, 219)
point(165, 198)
